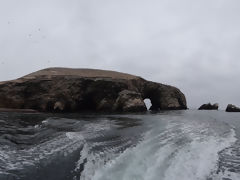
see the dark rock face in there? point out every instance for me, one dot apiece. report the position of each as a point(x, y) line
point(76, 90)
point(232, 108)
point(129, 101)
point(209, 106)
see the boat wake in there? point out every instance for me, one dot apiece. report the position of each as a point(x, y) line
point(179, 151)
point(183, 146)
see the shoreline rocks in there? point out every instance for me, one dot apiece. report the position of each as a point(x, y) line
point(79, 90)
point(209, 106)
point(232, 108)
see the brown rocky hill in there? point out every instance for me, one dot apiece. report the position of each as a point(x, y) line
point(77, 90)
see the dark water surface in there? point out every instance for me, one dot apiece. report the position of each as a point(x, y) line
point(180, 145)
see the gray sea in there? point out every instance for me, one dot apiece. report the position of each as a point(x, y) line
point(172, 145)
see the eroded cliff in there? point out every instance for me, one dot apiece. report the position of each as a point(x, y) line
point(76, 90)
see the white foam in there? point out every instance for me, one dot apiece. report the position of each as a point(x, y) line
point(198, 159)
point(160, 156)
point(75, 135)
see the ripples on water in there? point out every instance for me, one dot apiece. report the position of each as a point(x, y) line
point(182, 145)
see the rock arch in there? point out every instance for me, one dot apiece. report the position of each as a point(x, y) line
point(164, 97)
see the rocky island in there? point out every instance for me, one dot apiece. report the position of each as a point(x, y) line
point(77, 90)
point(232, 108)
point(209, 106)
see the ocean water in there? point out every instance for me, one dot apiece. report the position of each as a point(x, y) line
point(172, 145)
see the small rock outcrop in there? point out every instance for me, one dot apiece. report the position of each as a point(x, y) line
point(129, 101)
point(76, 90)
point(209, 106)
point(232, 108)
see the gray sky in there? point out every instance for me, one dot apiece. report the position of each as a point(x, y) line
point(191, 44)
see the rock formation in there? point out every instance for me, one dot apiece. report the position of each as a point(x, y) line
point(232, 108)
point(76, 90)
point(209, 106)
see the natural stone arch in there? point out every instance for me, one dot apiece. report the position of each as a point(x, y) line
point(152, 92)
point(163, 97)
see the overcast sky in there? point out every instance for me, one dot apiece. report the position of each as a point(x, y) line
point(191, 44)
